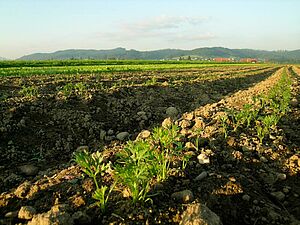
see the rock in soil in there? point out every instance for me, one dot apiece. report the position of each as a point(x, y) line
point(278, 195)
point(102, 134)
point(188, 116)
point(203, 159)
point(184, 196)
point(199, 124)
point(184, 124)
point(26, 212)
point(55, 216)
point(281, 176)
point(23, 189)
point(122, 136)
point(294, 102)
point(82, 148)
point(29, 170)
point(81, 218)
point(246, 198)
point(199, 214)
point(190, 145)
point(172, 112)
point(201, 176)
point(13, 214)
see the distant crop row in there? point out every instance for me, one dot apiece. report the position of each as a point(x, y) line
point(51, 63)
point(74, 86)
point(21, 70)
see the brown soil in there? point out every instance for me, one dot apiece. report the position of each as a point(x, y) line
point(44, 131)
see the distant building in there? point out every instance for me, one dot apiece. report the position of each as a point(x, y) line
point(223, 60)
point(249, 60)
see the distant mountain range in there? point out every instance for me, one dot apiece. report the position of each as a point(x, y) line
point(122, 53)
point(1, 59)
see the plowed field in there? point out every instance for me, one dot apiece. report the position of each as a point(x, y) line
point(241, 174)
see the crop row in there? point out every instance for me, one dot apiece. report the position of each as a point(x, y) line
point(56, 63)
point(73, 70)
point(263, 114)
point(139, 165)
point(144, 162)
point(75, 86)
point(106, 84)
point(148, 75)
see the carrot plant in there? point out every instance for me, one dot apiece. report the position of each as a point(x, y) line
point(141, 161)
point(134, 169)
point(94, 167)
point(167, 144)
point(224, 124)
point(265, 125)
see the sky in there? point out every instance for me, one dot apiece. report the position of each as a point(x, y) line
point(31, 26)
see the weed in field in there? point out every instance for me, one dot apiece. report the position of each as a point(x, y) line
point(100, 86)
point(280, 95)
point(78, 89)
point(185, 160)
point(261, 132)
point(152, 81)
point(244, 117)
point(67, 90)
point(166, 137)
point(265, 125)
point(28, 91)
point(197, 132)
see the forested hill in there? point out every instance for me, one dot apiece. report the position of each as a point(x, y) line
point(122, 53)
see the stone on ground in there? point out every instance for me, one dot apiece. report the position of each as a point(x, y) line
point(26, 212)
point(122, 136)
point(172, 112)
point(184, 196)
point(198, 214)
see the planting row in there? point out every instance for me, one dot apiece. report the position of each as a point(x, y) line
point(94, 69)
point(263, 114)
point(208, 165)
point(82, 86)
point(143, 161)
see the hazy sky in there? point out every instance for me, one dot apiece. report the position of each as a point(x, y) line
point(29, 26)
